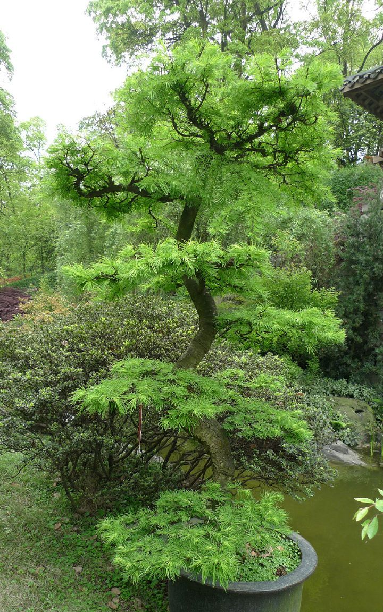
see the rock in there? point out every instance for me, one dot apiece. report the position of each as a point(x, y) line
point(340, 452)
point(359, 413)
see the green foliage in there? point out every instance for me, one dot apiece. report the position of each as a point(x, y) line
point(346, 33)
point(182, 397)
point(342, 388)
point(33, 134)
point(345, 181)
point(302, 238)
point(135, 26)
point(289, 317)
point(371, 525)
point(359, 281)
point(27, 236)
point(5, 59)
point(164, 267)
point(170, 149)
point(27, 224)
point(43, 362)
point(222, 535)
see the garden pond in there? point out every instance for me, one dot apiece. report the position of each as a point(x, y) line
point(349, 577)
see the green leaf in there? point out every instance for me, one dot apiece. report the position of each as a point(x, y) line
point(372, 529)
point(364, 500)
point(361, 513)
point(366, 525)
point(381, 492)
point(379, 505)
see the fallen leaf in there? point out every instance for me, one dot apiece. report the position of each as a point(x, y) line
point(77, 569)
point(112, 605)
point(116, 600)
point(57, 526)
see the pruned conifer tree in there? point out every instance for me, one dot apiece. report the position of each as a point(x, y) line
point(200, 143)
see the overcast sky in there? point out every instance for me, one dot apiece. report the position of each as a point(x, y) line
point(59, 73)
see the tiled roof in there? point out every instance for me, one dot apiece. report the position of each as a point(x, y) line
point(366, 90)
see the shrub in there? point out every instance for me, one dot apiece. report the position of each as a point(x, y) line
point(345, 180)
point(43, 361)
point(359, 280)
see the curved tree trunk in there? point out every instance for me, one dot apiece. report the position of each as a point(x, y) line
point(208, 432)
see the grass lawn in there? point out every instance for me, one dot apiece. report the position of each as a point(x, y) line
point(52, 560)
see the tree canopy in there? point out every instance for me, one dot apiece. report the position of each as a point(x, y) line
point(199, 141)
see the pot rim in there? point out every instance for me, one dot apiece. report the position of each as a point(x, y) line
point(300, 574)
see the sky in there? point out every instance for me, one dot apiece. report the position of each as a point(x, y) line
point(59, 72)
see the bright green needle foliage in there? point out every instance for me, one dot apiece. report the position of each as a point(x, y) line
point(165, 266)
point(182, 397)
point(203, 141)
point(191, 128)
point(222, 535)
point(298, 333)
point(282, 314)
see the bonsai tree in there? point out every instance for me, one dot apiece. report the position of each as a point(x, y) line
point(199, 144)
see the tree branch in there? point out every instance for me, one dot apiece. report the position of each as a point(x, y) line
point(370, 51)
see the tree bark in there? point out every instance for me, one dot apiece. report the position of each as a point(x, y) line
point(208, 432)
point(207, 324)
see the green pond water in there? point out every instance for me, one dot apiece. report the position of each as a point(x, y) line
point(349, 576)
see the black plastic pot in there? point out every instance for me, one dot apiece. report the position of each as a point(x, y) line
point(188, 594)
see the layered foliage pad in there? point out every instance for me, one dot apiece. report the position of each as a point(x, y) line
point(211, 533)
point(165, 265)
point(44, 360)
point(192, 129)
point(182, 397)
point(285, 315)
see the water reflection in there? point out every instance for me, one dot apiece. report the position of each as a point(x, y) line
point(349, 577)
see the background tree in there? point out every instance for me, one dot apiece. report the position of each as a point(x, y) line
point(340, 31)
point(11, 166)
point(359, 279)
point(137, 26)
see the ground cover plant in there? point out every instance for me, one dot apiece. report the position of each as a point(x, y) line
point(52, 560)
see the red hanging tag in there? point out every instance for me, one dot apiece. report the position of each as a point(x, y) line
point(139, 433)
